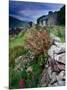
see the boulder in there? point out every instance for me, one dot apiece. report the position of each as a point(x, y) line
point(61, 83)
point(53, 49)
point(50, 72)
point(60, 45)
point(57, 52)
point(61, 75)
point(61, 67)
point(53, 77)
point(60, 58)
point(53, 64)
point(44, 78)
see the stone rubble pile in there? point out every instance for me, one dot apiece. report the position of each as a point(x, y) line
point(54, 72)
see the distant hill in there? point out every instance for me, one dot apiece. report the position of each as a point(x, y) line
point(13, 22)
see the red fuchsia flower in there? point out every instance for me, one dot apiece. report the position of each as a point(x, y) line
point(21, 83)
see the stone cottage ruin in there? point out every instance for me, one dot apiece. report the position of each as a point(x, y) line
point(48, 20)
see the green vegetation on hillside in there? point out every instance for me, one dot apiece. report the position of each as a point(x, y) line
point(17, 48)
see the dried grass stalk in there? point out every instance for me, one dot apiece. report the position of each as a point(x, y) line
point(39, 42)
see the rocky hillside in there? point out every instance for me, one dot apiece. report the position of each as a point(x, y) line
point(37, 58)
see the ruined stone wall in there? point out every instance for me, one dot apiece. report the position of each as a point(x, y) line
point(49, 20)
point(52, 20)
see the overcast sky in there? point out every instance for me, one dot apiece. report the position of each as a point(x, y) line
point(29, 11)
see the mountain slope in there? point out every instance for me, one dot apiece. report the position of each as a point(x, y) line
point(13, 22)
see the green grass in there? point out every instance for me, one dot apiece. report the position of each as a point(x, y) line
point(18, 40)
point(58, 31)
